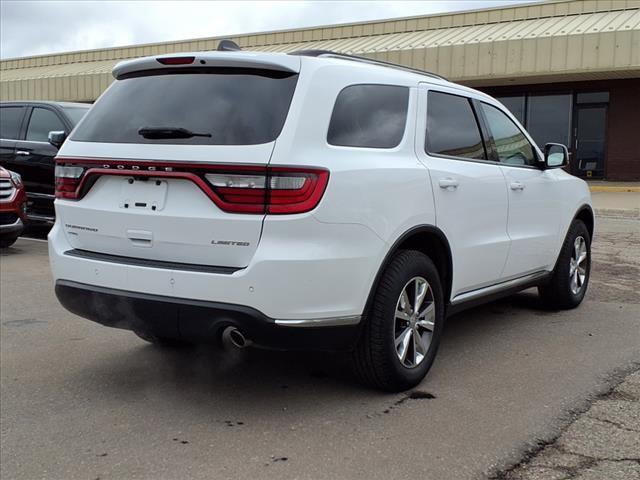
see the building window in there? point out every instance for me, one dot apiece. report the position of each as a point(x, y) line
point(549, 118)
point(515, 104)
point(370, 116)
point(577, 120)
point(592, 97)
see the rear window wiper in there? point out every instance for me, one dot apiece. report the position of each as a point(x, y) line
point(169, 132)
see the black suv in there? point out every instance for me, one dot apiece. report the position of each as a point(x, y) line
point(25, 147)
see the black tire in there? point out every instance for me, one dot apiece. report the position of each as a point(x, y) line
point(162, 341)
point(375, 360)
point(558, 294)
point(7, 242)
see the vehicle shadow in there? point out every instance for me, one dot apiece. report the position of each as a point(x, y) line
point(234, 379)
point(222, 383)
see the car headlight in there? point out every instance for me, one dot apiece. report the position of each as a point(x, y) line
point(16, 179)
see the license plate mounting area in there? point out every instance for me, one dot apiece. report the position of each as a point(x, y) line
point(143, 194)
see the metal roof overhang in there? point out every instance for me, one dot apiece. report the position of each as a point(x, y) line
point(591, 46)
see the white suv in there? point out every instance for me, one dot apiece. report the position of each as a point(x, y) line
point(308, 200)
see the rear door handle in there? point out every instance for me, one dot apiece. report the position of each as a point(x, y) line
point(517, 186)
point(23, 153)
point(448, 183)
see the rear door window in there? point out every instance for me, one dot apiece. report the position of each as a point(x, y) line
point(227, 106)
point(452, 127)
point(512, 146)
point(372, 116)
point(10, 120)
point(42, 122)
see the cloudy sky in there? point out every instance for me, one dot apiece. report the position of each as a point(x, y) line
point(48, 26)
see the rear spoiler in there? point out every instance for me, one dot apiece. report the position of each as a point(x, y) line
point(233, 59)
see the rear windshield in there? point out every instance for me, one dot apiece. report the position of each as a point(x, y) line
point(231, 106)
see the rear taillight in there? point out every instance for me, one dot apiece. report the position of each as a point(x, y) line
point(234, 189)
point(280, 190)
point(295, 191)
point(68, 180)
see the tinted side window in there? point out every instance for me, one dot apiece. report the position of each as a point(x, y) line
point(452, 128)
point(512, 146)
point(10, 118)
point(42, 122)
point(371, 116)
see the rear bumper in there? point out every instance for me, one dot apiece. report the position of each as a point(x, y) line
point(305, 271)
point(199, 321)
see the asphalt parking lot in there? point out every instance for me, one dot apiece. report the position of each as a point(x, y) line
point(82, 401)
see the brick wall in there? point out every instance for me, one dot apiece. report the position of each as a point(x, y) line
point(623, 140)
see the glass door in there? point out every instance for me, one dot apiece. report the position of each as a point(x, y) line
point(589, 141)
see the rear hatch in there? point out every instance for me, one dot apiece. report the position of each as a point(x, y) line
point(171, 162)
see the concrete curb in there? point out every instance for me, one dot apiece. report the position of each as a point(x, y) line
point(614, 189)
point(629, 213)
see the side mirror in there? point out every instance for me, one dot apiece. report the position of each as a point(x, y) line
point(57, 138)
point(556, 155)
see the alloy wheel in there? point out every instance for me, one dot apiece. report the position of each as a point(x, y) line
point(578, 265)
point(414, 322)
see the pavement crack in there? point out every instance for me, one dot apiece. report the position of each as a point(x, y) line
point(615, 424)
point(616, 395)
point(23, 322)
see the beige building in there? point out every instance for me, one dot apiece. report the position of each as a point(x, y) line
point(570, 70)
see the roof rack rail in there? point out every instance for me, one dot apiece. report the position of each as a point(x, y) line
point(372, 61)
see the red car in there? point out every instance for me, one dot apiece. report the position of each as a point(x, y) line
point(13, 202)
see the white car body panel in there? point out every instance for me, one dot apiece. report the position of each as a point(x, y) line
point(301, 270)
point(534, 220)
point(185, 208)
point(240, 154)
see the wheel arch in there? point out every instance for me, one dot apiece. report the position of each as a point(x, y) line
point(585, 213)
point(429, 240)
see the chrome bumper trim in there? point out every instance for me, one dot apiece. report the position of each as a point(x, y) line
point(45, 196)
point(321, 322)
point(40, 218)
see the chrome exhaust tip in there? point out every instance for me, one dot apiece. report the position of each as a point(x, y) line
point(233, 336)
